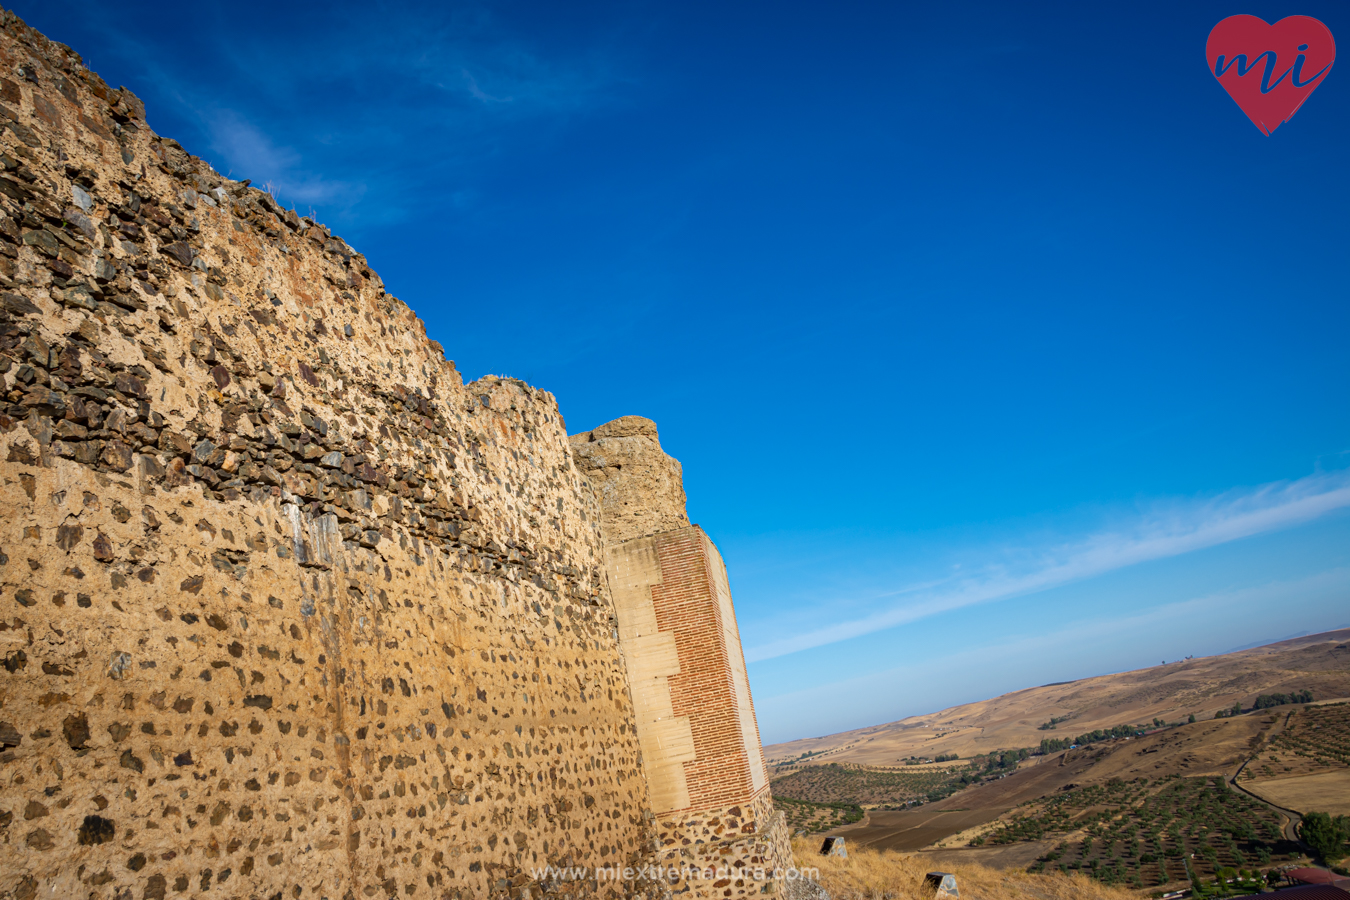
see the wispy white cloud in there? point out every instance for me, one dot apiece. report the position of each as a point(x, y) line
point(245, 148)
point(1161, 532)
point(988, 670)
point(517, 81)
point(478, 93)
point(374, 135)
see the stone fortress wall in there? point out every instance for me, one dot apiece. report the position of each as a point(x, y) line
point(286, 608)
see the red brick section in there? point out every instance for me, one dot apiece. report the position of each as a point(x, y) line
point(703, 691)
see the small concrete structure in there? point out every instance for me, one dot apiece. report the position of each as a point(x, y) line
point(941, 884)
point(834, 846)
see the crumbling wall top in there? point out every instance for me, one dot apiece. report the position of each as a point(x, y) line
point(641, 489)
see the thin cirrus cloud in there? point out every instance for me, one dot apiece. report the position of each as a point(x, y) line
point(365, 137)
point(978, 671)
point(246, 148)
point(1162, 533)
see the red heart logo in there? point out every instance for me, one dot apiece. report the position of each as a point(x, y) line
point(1270, 69)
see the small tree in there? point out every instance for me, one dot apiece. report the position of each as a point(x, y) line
point(1326, 834)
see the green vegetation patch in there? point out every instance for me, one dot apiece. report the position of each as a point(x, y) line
point(1327, 834)
point(815, 817)
point(1320, 734)
point(1267, 701)
point(863, 786)
point(1142, 833)
point(1053, 745)
point(858, 785)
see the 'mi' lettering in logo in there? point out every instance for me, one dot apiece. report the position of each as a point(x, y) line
point(1270, 69)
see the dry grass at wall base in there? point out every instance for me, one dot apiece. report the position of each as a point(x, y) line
point(879, 874)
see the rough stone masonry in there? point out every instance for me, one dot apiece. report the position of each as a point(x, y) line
point(286, 608)
point(707, 782)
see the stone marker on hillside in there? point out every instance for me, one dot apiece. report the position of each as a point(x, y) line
point(941, 884)
point(834, 846)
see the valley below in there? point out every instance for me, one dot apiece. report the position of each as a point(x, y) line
point(1194, 773)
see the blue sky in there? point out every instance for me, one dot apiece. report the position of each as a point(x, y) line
point(999, 347)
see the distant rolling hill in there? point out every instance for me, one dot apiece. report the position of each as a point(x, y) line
point(1318, 662)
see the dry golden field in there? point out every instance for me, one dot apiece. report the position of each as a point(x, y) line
point(1305, 765)
point(1163, 810)
point(1204, 748)
point(879, 874)
point(1328, 792)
